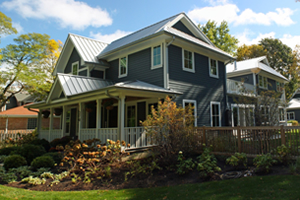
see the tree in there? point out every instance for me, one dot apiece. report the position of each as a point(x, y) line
point(6, 27)
point(23, 60)
point(219, 36)
point(245, 52)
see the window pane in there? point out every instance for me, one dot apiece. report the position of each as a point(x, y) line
point(123, 66)
point(156, 56)
point(32, 123)
point(188, 60)
point(265, 82)
point(75, 68)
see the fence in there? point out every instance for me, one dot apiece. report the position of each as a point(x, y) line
point(251, 140)
point(13, 134)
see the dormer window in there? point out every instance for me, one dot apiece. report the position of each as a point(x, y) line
point(75, 67)
point(123, 67)
point(156, 57)
point(213, 68)
point(188, 61)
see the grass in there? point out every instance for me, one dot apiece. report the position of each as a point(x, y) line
point(267, 187)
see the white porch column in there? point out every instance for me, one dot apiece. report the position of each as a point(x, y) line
point(6, 125)
point(98, 117)
point(50, 123)
point(39, 122)
point(121, 118)
point(80, 119)
point(64, 118)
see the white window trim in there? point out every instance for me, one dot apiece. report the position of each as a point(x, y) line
point(74, 63)
point(123, 75)
point(281, 107)
point(161, 55)
point(264, 86)
point(288, 113)
point(238, 106)
point(217, 68)
point(195, 107)
point(193, 64)
point(211, 120)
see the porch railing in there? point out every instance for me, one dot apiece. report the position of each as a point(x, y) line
point(88, 133)
point(13, 134)
point(136, 137)
point(55, 133)
point(44, 134)
point(238, 87)
point(107, 133)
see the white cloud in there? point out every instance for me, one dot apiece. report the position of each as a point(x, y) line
point(68, 13)
point(109, 37)
point(290, 40)
point(18, 27)
point(223, 10)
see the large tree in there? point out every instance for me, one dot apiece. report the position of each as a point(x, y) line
point(22, 60)
point(219, 36)
point(245, 52)
point(6, 27)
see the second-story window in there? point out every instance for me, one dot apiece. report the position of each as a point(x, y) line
point(262, 82)
point(188, 61)
point(75, 67)
point(279, 86)
point(123, 67)
point(156, 57)
point(213, 68)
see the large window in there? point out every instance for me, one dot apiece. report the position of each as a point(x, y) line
point(290, 115)
point(193, 104)
point(279, 86)
point(123, 67)
point(188, 61)
point(131, 116)
point(75, 67)
point(281, 114)
point(156, 57)
point(213, 68)
point(262, 82)
point(243, 115)
point(32, 123)
point(215, 113)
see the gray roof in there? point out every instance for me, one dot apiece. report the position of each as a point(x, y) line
point(87, 48)
point(23, 97)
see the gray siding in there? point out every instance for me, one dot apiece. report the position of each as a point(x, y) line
point(139, 68)
point(197, 86)
point(297, 114)
point(96, 74)
point(180, 26)
point(83, 73)
point(271, 84)
point(73, 58)
point(246, 78)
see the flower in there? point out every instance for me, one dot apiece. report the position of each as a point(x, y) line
point(180, 152)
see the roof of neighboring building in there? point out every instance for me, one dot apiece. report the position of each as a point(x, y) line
point(294, 104)
point(260, 62)
point(18, 112)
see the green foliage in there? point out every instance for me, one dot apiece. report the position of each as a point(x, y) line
point(14, 161)
point(42, 161)
point(237, 160)
point(207, 165)
point(34, 181)
point(293, 122)
point(2, 158)
point(57, 156)
point(27, 139)
point(30, 151)
point(295, 167)
point(6, 151)
point(42, 142)
point(61, 142)
point(264, 162)
point(219, 36)
point(39, 171)
point(283, 153)
point(6, 26)
point(7, 177)
point(245, 52)
point(21, 172)
point(184, 165)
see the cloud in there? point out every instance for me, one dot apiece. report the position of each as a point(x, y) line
point(223, 10)
point(68, 13)
point(109, 37)
point(290, 40)
point(18, 27)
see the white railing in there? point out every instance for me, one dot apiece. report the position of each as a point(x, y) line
point(136, 137)
point(44, 134)
point(107, 133)
point(238, 87)
point(88, 133)
point(13, 134)
point(55, 133)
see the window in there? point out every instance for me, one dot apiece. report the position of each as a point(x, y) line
point(265, 114)
point(281, 114)
point(188, 61)
point(279, 86)
point(290, 115)
point(262, 82)
point(243, 115)
point(75, 67)
point(32, 123)
point(192, 103)
point(215, 114)
point(123, 67)
point(213, 68)
point(131, 116)
point(156, 57)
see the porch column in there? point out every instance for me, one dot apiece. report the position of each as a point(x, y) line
point(121, 118)
point(80, 119)
point(50, 123)
point(64, 118)
point(98, 118)
point(39, 122)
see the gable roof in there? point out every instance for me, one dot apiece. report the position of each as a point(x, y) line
point(19, 111)
point(261, 63)
point(294, 104)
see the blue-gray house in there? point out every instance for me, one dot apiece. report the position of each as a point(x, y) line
point(103, 90)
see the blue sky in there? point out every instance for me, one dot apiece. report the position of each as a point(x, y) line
point(249, 21)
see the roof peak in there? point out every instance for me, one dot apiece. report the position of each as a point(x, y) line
point(87, 38)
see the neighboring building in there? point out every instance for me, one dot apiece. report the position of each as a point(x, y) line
point(249, 78)
point(120, 81)
point(293, 109)
point(18, 99)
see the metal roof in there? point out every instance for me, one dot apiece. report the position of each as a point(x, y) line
point(294, 104)
point(260, 62)
point(73, 85)
point(87, 48)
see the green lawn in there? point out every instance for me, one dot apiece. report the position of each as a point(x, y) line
point(267, 187)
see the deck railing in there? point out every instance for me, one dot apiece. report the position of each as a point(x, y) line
point(238, 87)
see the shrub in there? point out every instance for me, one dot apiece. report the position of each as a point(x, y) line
point(184, 165)
point(42, 161)
point(42, 142)
point(34, 181)
point(237, 160)
point(30, 151)
point(21, 172)
point(6, 151)
point(295, 167)
point(293, 122)
point(14, 161)
point(264, 162)
point(2, 158)
point(57, 156)
point(207, 164)
point(283, 154)
point(61, 142)
point(26, 139)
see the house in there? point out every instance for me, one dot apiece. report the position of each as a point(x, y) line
point(249, 78)
point(18, 99)
point(293, 109)
point(104, 90)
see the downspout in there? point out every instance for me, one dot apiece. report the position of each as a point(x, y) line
point(228, 113)
point(32, 110)
point(167, 63)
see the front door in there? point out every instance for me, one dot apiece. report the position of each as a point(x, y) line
point(73, 123)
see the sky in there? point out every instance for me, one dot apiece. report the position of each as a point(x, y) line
point(249, 21)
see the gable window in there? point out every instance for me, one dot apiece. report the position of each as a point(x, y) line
point(290, 115)
point(188, 61)
point(213, 68)
point(279, 86)
point(193, 104)
point(75, 67)
point(262, 82)
point(123, 67)
point(32, 123)
point(156, 57)
point(215, 113)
